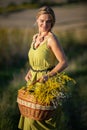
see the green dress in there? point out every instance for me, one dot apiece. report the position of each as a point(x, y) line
point(41, 58)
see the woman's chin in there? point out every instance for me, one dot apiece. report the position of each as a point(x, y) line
point(44, 30)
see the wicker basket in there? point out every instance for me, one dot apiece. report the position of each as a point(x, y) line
point(29, 107)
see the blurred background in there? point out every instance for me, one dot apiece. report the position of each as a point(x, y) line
point(17, 26)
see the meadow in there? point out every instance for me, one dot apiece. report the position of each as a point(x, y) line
point(14, 47)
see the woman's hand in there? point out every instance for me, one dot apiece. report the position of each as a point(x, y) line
point(43, 79)
point(28, 76)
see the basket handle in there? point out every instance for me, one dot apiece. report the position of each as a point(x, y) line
point(34, 82)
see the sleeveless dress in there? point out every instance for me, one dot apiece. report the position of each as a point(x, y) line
point(41, 58)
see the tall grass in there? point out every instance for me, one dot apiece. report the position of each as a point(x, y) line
point(14, 46)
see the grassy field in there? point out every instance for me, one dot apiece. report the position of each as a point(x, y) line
point(14, 46)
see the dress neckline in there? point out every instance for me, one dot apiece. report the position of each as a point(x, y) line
point(42, 43)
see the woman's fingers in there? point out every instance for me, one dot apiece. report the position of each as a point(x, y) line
point(28, 76)
point(43, 79)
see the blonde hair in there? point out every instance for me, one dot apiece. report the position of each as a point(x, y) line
point(49, 11)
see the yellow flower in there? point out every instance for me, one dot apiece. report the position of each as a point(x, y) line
point(57, 87)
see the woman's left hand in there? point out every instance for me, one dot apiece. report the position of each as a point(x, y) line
point(43, 79)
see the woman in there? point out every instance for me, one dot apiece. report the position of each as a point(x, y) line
point(46, 58)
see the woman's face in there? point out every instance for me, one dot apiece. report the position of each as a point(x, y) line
point(44, 23)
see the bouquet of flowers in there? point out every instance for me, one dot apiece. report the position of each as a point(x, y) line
point(56, 88)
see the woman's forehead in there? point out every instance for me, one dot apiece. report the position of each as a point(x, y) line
point(45, 16)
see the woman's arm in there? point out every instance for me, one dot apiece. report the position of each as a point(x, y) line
point(57, 49)
point(28, 76)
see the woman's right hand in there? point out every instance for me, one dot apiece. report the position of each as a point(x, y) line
point(28, 76)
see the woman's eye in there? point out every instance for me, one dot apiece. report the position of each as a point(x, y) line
point(41, 21)
point(49, 21)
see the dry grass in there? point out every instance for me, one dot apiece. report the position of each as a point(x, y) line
point(14, 46)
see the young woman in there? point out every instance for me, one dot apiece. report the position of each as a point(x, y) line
point(46, 58)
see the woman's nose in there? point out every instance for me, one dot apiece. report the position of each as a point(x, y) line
point(45, 23)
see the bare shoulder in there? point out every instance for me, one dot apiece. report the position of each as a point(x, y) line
point(52, 36)
point(52, 39)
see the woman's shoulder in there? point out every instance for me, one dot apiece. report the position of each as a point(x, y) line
point(52, 40)
point(52, 36)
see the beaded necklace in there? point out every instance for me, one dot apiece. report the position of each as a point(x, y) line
point(38, 40)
